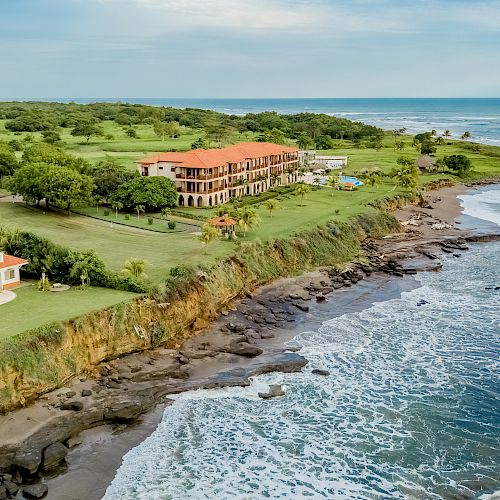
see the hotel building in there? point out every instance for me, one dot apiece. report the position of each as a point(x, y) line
point(211, 177)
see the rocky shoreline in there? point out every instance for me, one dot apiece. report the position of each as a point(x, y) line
point(248, 339)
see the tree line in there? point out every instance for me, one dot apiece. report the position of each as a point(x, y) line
point(85, 120)
point(48, 176)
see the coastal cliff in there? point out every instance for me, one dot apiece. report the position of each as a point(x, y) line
point(40, 361)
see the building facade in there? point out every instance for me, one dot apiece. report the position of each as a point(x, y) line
point(209, 177)
point(10, 271)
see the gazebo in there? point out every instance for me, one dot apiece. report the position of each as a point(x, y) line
point(224, 225)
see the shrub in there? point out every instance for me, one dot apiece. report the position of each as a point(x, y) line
point(106, 213)
point(172, 224)
point(150, 221)
point(127, 217)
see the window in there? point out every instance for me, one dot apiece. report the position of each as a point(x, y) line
point(10, 274)
point(172, 169)
point(160, 168)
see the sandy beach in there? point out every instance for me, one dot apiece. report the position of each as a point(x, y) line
point(134, 390)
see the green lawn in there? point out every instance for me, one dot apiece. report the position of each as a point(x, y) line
point(114, 244)
point(32, 308)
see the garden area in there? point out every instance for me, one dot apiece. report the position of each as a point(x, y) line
point(31, 308)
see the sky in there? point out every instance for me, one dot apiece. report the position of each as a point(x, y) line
point(249, 48)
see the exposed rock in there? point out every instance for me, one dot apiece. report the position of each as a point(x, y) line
point(53, 455)
point(318, 371)
point(86, 393)
point(267, 335)
point(28, 460)
point(302, 307)
point(320, 298)
point(74, 441)
point(35, 490)
point(3, 492)
point(72, 405)
point(69, 394)
point(275, 390)
point(243, 349)
point(11, 487)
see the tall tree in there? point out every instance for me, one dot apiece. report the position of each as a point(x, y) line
point(87, 129)
point(8, 160)
point(248, 219)
point(152, 192)
point(302, 190)
point(208, 234)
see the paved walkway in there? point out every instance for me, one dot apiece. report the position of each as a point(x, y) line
point(6, 296)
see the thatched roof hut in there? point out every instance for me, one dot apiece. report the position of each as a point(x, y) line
point(426, 163)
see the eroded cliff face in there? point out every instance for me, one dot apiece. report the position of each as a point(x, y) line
point(37, 362)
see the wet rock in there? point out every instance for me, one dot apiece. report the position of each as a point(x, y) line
point(53, 455)
point(267, 335)
point(135, 369)
point(243, 349)
point(275, 390)
point(302, 307)
point(318, 371)
point(74, 441)
point(111, 384)
point(320, 298)
point(35, 491)
point(253, 334)
point(72, 405)
point(11, 487)
point(28, 460)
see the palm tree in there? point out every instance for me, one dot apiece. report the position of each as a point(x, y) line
point(248, 219)
point(439, 140)
point(139, 209)
point(208, 234)
point(372, 177)
point(165, 213)
point(333, 181)
point(316, 180)
point(302, 189)
point(466, 135)
point(406, 175)
point(81, 270)
point(271, 205)
point(117, 205)
point(134, 267)
point(433, 132)
point(447, 133)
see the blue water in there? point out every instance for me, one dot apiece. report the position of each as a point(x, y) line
point(479, 116)
point(410, 409)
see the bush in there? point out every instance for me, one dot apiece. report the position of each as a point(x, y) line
point(172, 224)
point(150, 221)
point(106, 213)
point(127, 217)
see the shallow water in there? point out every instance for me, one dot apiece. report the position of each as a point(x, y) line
point(410, 409)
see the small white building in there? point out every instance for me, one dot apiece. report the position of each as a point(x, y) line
point(328, 162)
point(10, 271)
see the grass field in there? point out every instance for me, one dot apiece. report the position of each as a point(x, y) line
point(114, 244)
point(32, 308)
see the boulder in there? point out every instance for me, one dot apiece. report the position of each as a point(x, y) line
point(35, 490)
point(3, 492)
point(243, 349)
point(318, 371)
point(86, 393)
point(320, 298)
point(12, 488)
point(302, 307)
point(72, 405)
point(28, 460)
point(275, 390)
point(53, 455)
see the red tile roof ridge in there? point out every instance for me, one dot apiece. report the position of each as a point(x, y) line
point(209, 158)
point(10, 261)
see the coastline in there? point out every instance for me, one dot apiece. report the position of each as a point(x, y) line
point(99, 456)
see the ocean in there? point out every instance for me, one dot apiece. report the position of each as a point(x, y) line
point(410, 409)
point(479, 116)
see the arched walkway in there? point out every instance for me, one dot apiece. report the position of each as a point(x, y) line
point(200, 201)
point(181, 200)
point(210, 201)
point(190, 201)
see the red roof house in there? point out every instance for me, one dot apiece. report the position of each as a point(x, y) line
point(10, 271)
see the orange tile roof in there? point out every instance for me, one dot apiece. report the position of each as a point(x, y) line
point(208, 158)
point(223, 221)
point(9, 261)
